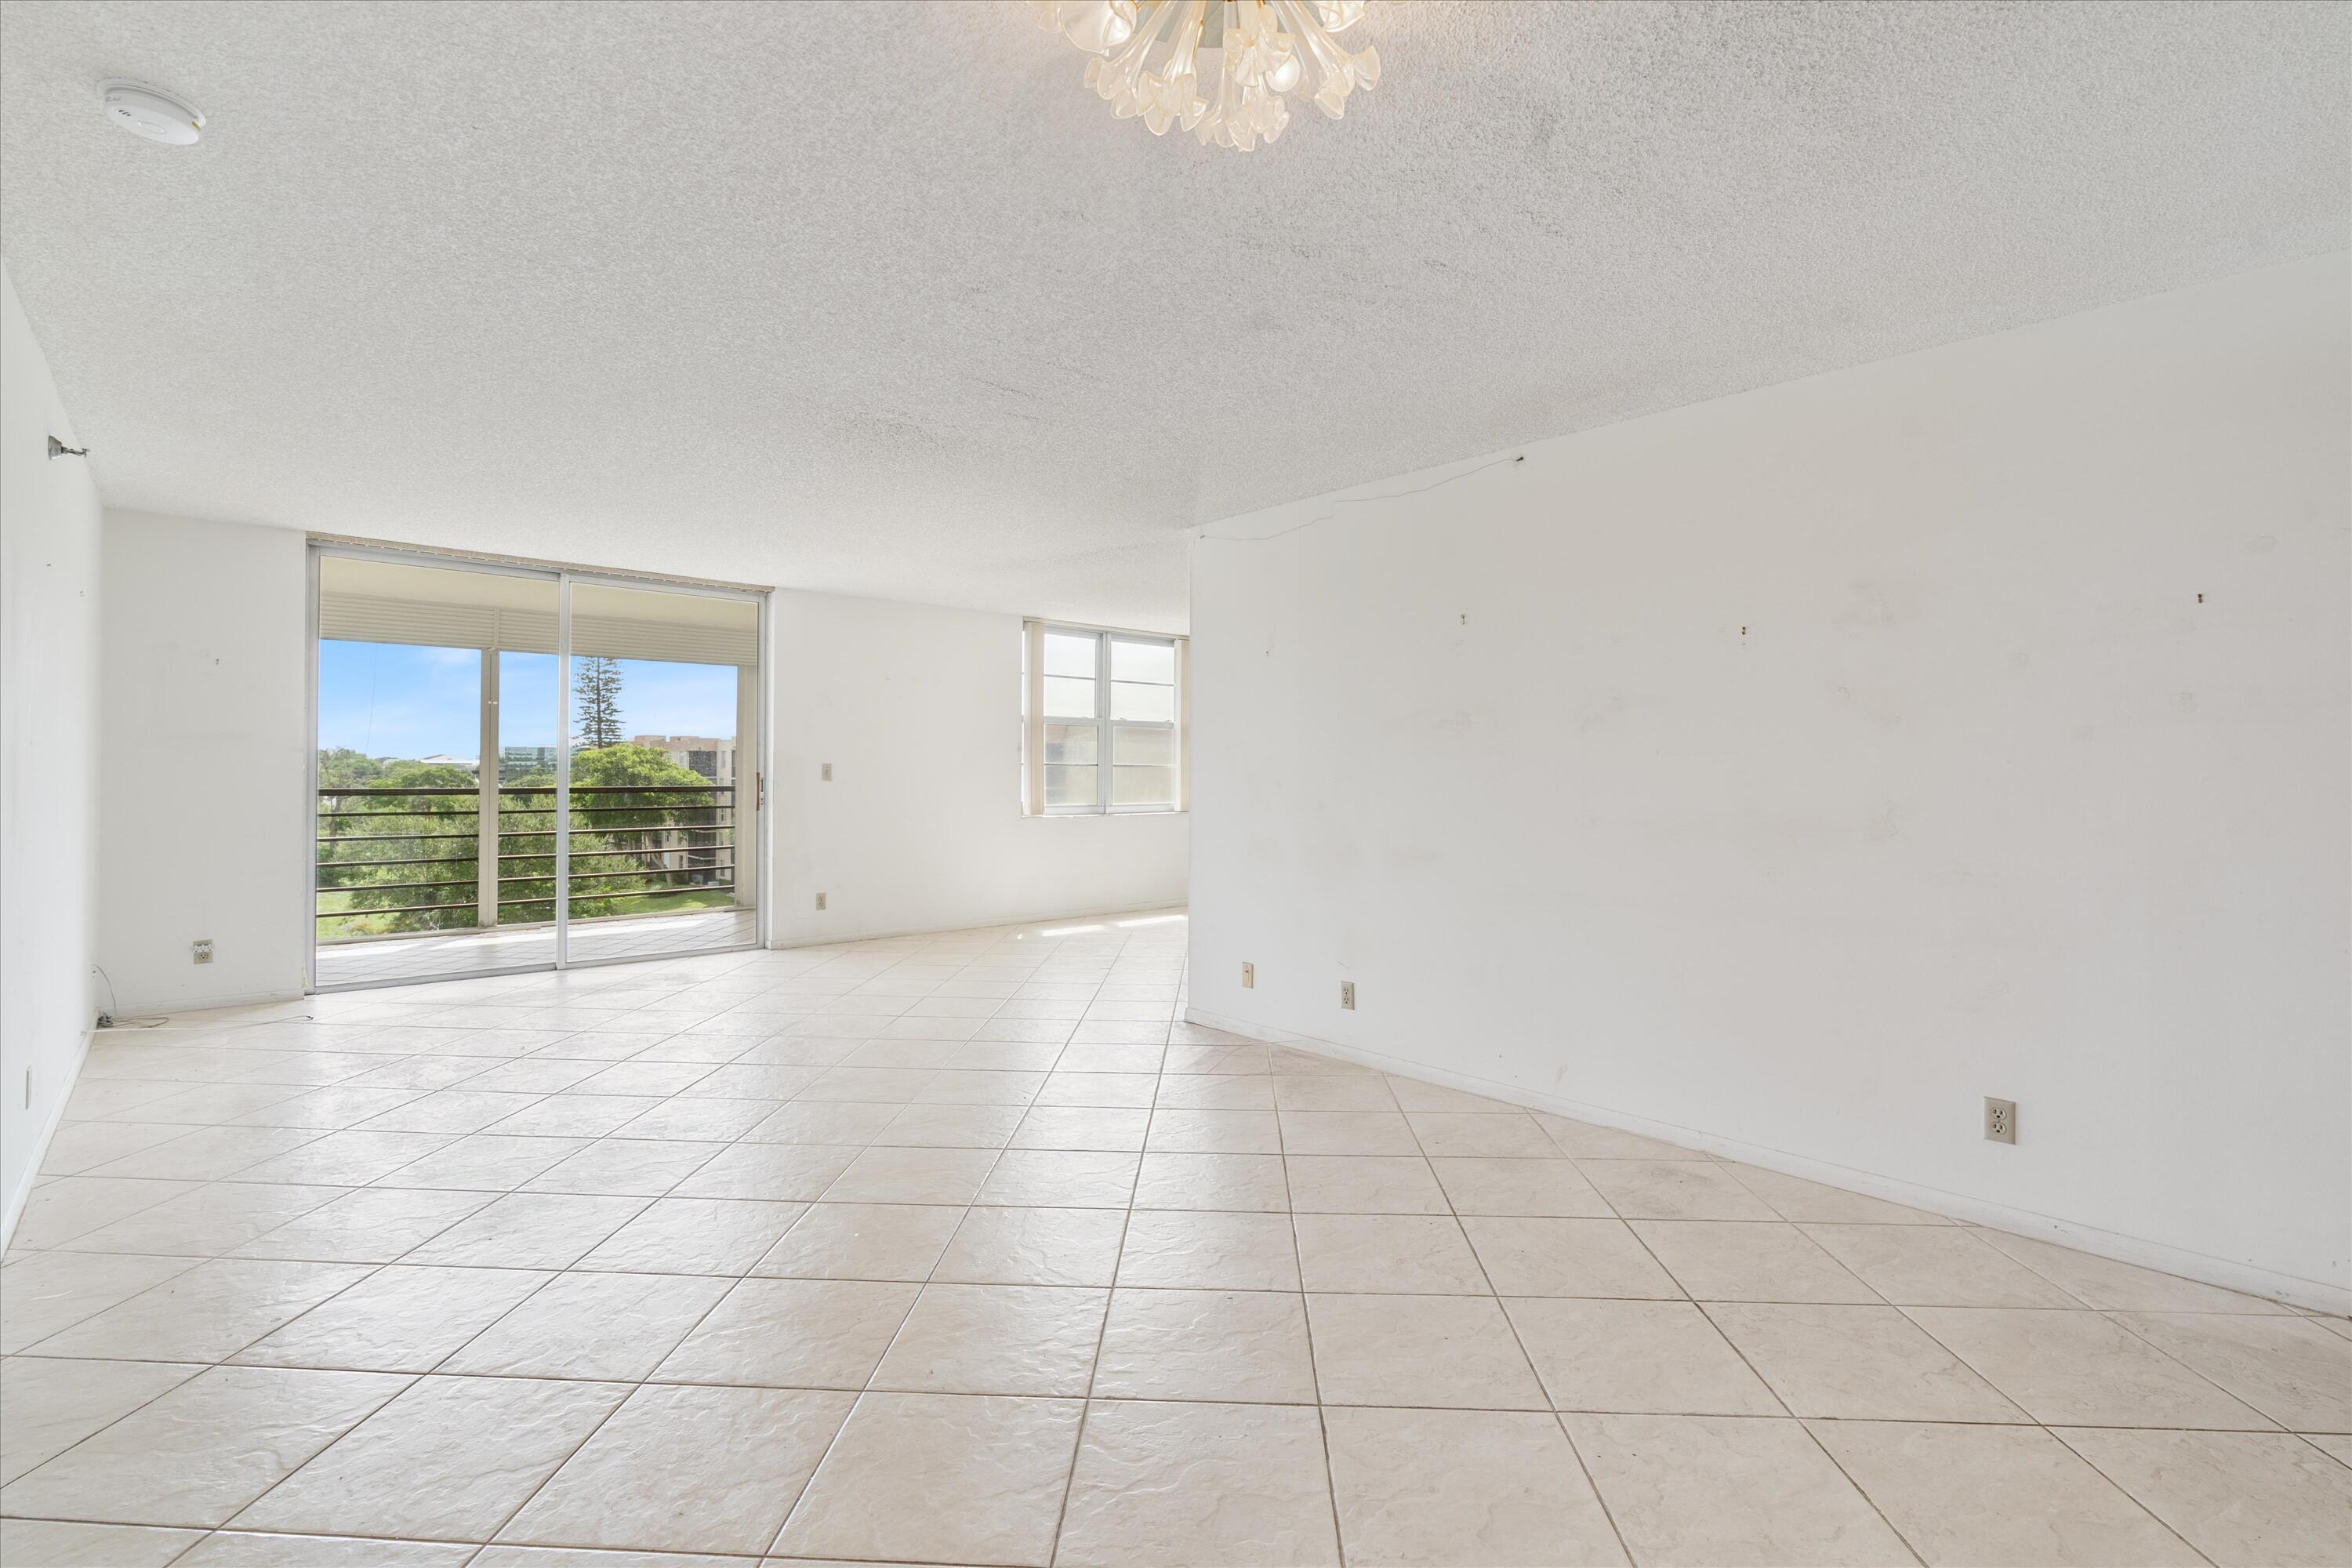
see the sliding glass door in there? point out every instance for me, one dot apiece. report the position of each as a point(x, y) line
point(523, 769)
point(665, 687)
point(430, 678)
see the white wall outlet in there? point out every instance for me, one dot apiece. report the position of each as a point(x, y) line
point(202, 949)
point(825, 773)
point(1348, 994)
point(1249, 975)
point(2001, 1119)
point(820, 901)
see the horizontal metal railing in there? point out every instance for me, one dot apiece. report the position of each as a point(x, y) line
point(687, 849)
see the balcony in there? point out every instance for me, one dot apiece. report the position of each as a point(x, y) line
point(401, 872)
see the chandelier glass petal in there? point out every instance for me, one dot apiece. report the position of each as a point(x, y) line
point(1223, 69)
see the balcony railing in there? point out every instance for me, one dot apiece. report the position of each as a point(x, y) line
point(394, 862)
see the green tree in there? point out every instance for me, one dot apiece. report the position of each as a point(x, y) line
point(647, 836)
point(660, 846)
point(341, 767)
point(394, 862)
point(598, 703)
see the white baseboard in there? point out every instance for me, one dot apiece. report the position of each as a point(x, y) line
point(2317, 1295)
point(206, 1005)
point(24, 1192)
point(1049, 917)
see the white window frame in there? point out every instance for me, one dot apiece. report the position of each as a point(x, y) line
point(1034, 721)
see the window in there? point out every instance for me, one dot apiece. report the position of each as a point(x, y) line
point(1104, 721)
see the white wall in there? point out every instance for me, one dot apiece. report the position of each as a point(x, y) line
point(918, 711)
point(48, 749)
point(206, 742)
point(1789, 772)
point(917, 708)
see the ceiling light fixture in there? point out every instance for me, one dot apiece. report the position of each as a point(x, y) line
point(151, 112)
point(1157, 57)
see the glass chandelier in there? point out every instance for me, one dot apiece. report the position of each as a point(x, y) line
point(1156, 58)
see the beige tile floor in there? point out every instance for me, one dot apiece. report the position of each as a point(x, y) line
point(960, 1249)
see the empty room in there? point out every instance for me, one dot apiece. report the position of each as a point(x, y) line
point(998, 783)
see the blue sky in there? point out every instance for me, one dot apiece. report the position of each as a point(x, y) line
point(390, 701)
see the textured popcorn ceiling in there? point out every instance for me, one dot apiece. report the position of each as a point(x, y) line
point(876, 297)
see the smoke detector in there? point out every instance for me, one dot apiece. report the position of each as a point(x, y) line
point(151, 112)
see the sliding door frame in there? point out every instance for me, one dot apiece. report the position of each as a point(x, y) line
point(763, 602)
point(563, 578)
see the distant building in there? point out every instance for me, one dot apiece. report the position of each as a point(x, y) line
point(713, 758)
point(467, 762)
point(515, 761)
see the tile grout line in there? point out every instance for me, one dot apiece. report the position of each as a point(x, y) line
point(635, 1387)
point(418, 1378)
point(1306, 1320)
point(776, 1542)
point(372, 1272)
point(1102, 1331)
point(1763, 1383)
point(2060, 1438)
point(2045, 1427)
point(374, 1268)
point(1559, 1421)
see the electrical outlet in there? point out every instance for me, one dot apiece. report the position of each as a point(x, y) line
point(1249, 975)
point(2001, 1119)
point(820, 901)
point(202, 948)
point(1348, 994)
point(825, 773)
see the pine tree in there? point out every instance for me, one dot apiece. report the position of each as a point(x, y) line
point(599, 688)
